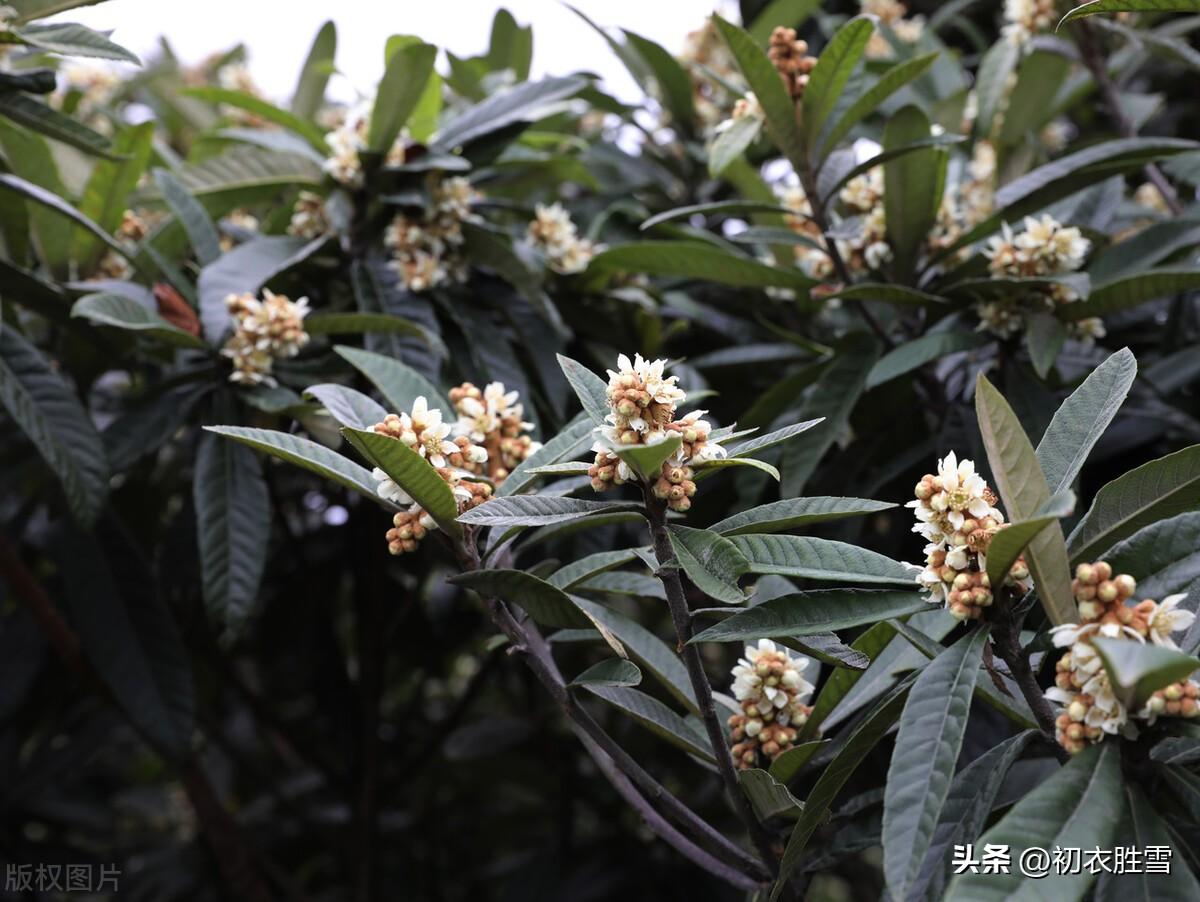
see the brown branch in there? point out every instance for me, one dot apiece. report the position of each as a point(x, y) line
point(1093, 57)
point(656, 512)
point(526, 641)
point(1006, 639)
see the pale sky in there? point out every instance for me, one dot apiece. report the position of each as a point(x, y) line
point(278, 32)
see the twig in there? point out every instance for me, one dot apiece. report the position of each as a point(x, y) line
point(681, 616)
point(1006, 638)
point(1093, 58)
point(527, 641)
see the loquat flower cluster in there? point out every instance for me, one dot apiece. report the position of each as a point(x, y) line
point(133, 229)
point(473, 455)
point(1025, 18)
point(425, 247)
point(642, 404)
point(770, 686)
point(262, 332)
point(1090, 708)
point(348, 141)
point(790, 57)
point(1044, 248)
point(894, 16)
point(956, 513)
point(493, 419)
point(554, 235)
point(309, 218)
point(704, 49)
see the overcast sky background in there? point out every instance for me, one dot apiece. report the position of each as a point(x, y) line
point(278, 33)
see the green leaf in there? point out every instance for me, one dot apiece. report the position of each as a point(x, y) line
point(307, 454)
point(110, 309)
point(716, 208)
point(1129, 291)
point(764, 82)
point(916, 353)
point(591, 390)
point(46, 409)
point(644, 647)
point(579, 571)
point(408, 71)
point(698, 260)
point(820, 559)
point(1130, 6)
point(1164, 556)
point(768, 797)
point(786, 766)
point(263, 109)
point(33, 81)
point(647, 460)
point(538, 510)
point(831, 400)
point(965, 812)
point(818, 611)
point(870, 644)
point(1178, 750)
point(1079, 807)
point(1006, 545)
point(829, 191)
point(355, 323)
point(399, 383)
point(890, 294)
point(779, 516)
point(245, 269)
point(829, 649)
point(731, 143)
point(884, 87)
point(232, 505)
point(28, 10)
point(201, 232)
point(525, 102)
point(1154, 491)
point(992, 81)
point(724, 463)
point(858, 744)
point(243, 169)
point(1065, 176)
point(770, 439)
point(609, 672)
point(546, 604)
point(930, 738)
point(710, 561)
point(510, 46)
point(128, 635)
point(1024, 491)
point(674, 83)
point(52, 201)
point(656, 717)
point(314, 75)
point(45, 120)
point(913, 185)
point(1045, 335)
point(1081, 420)
point(106, 194)
point(1136, 670)
point(575, 437)
point(790, 13)
point(411, 472)
point(347, 406)
point(835, 65)
point(71, 39)
point(1142, 828)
